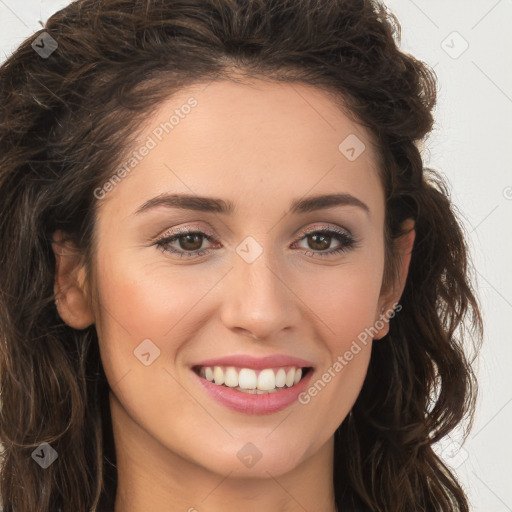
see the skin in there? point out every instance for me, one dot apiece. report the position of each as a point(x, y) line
point(260, 145)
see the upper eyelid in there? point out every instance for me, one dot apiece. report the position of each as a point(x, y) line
point(340, 233)
point(182, 232)
point(301, 233)
point(325, 227)
point(348, 241)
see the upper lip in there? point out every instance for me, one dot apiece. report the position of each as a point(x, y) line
point(257, 363)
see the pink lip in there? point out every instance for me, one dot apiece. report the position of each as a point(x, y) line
point(252, 403)
point(257, 363)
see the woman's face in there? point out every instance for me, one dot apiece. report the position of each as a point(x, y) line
point(256, 279)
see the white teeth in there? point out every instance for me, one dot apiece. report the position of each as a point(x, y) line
point(247, 379)
point(266, 380)
point(250, 391)
point(257, 391)
point(208, 373)
point(290, 377)
point(218, 375)
point(231, 377)
point(252, 381)
point(280, 378)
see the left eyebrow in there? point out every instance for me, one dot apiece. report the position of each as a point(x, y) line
point(188, 202)
point(216, 205)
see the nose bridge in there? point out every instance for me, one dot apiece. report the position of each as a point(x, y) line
point(258, 298)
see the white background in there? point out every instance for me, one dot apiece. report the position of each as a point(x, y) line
point(472, 145)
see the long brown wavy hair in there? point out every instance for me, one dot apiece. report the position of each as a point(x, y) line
point(66, 122)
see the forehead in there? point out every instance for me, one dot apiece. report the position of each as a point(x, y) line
point(263, 114)
point(268, 139)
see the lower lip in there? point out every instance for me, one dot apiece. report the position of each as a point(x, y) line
point(253, 403)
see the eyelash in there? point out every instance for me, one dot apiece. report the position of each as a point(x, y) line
point(347, 241)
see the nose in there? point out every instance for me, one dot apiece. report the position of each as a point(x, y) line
point(259, 299)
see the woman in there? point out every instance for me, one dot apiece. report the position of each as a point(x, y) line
point(228, 281)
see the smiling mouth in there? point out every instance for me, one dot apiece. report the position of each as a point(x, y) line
point(248, 380)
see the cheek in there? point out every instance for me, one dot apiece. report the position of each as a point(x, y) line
point(148, 299)
point(138, 305)
point(139, 301)
point(346, 313)
point(345, 300)
point(345, 303)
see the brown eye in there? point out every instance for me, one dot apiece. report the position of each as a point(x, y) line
point(319, 242)
point(185, 244)
point(191, 242)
